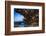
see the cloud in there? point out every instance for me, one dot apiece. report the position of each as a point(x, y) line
point(18, 17)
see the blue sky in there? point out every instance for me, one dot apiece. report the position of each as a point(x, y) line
point(18, 16)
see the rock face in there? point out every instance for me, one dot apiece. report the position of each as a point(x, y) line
point(31, 16)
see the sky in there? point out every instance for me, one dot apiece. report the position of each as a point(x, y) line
point(18, 17)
